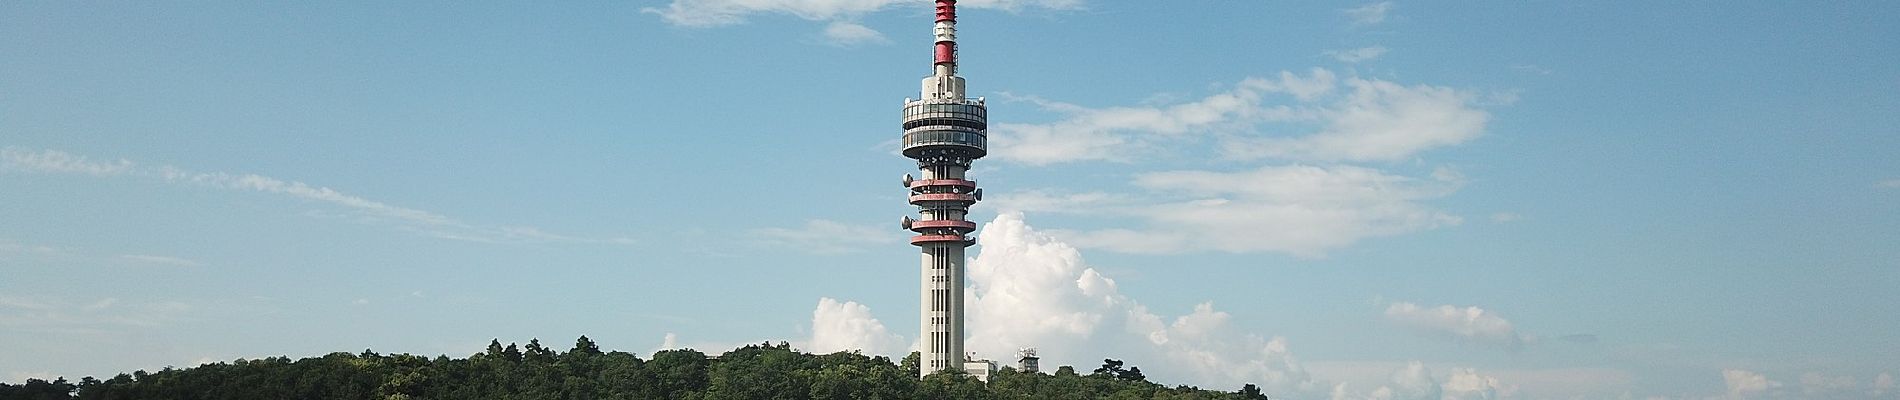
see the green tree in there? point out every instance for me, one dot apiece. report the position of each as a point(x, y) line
point(1133, 374)
point(1251, 392)
point(1110, 368)
point(910, 364)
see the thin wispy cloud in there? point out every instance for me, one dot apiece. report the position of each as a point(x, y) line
point(104, 316)
point(842, 33)
point(1888, 184)
point(11, 248)
point(420, 221)
point(12, 158)
point(1302, 210)
point(1358, 55)
point(1531, 68)
point(1370, 14)
point(1318, 121)
point(820, 236)
point(1330, 119)
point(160, 260)
point(838, 13)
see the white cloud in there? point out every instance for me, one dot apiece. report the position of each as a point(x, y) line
point(1531, 68)
point(1890, 183)
point(1319, 120)
point(1413, 381)
point(1464, 323)
point(18, 159)
point(844, 33)
point(1303, 210)
point(1818, 385)
point(1883, 384)
point(160, 260)
point(1464, 382)
point(1505, 216)
point(709, 13)
point(12, 248)
point(424, 222)
point(1028, 289)
point(821, 236)
point(17, 303)
point(102, 317)
point(1370, 14)
point(1357, 55)
point(1350, 119)
point(1122, 133)
point(670, 342)
point(844, 326)
point(101, 304)
point(1467, 384)
point(1743, 383)
point(1376, 120)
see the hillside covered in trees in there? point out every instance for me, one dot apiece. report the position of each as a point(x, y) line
point(762, 371)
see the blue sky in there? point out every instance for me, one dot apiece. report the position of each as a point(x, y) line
point(1334, 199)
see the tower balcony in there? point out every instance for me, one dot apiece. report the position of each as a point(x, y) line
point(962, 198)
point(925, 240)
point(927, 225)
point(967, 185)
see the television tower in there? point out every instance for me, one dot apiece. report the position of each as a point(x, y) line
point(944, 131)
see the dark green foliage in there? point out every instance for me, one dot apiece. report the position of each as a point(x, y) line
point(535, 372)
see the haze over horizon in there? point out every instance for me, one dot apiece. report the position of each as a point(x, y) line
point(1347, 200)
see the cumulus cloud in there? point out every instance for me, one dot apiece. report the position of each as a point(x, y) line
point(1744, 384)
point(1883, 384)
point(1370, 14)
point(1029, 289)
point(1464, 323)
point(1303, 210)
point(1413, 381)
point(1357, 55)
point(1349, 119)
point(845, 326)
point(820, 236)
point(424, 222)
point(1467, 384)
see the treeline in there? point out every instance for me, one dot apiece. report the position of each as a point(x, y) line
point(762, 371)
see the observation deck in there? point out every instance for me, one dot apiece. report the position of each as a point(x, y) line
point(960, 126)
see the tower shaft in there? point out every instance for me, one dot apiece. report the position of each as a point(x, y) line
point(944, 131)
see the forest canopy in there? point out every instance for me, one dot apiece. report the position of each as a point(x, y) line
point(534, 371)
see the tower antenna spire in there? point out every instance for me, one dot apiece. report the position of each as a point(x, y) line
point(946, 34)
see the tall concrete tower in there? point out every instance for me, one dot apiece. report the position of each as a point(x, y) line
point(944, 131)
